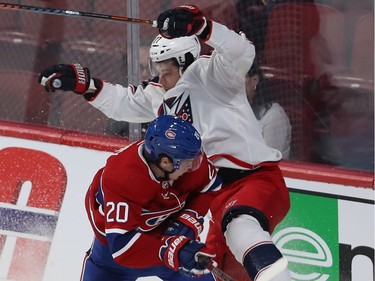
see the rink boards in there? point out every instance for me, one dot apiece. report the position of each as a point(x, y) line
point(44, 174)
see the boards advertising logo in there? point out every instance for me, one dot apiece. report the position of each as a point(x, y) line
point(33, 185)
point(304, 247)
point(309, 237)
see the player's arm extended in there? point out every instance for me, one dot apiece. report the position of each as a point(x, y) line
point(232, 57)
point(131, 104)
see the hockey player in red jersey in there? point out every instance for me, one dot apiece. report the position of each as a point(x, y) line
point(210, 93)
point(146, 207)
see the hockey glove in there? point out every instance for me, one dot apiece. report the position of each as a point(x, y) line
point(188, 224)
point(66, 77)
point(181, 254)
point(185, 20)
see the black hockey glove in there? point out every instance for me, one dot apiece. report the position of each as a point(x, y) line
point(188, 224)
point(181, 254)
point(185, 20)
point(66, 77)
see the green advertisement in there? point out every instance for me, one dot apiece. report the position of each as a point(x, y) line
point(308, 238)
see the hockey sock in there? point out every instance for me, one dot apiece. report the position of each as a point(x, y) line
point(253, 247)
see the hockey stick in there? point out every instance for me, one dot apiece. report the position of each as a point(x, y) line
point(217, 272)
point(53, 11)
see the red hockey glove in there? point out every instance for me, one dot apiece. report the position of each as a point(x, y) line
point(185, 20)
point(66, 77)
point(181, 254)
point(188, 224)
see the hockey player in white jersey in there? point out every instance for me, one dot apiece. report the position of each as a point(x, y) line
point(210, 93)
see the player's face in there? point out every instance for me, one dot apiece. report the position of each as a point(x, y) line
point(168, 73)
point(186, 166)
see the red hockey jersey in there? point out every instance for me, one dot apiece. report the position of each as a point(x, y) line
point(127, 205)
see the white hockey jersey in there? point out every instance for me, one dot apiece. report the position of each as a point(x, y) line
point(211, 95)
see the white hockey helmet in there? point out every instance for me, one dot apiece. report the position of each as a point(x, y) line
point(184, 49)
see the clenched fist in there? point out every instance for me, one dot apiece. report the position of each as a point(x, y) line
point(66, 77)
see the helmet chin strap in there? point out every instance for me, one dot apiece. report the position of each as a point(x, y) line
point(166, 173)
point(157, 164)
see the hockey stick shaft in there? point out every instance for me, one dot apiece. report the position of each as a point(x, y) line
point(53, 11)
point(217, 272)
